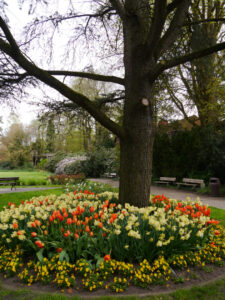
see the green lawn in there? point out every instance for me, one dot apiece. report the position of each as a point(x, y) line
point(218, 214)
point(18, 197)
point(27, 177)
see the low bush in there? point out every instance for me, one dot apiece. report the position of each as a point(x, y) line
point(6, 165)
point(41, 164)
point(65, 179)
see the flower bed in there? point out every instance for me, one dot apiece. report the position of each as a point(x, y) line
point(88, 238)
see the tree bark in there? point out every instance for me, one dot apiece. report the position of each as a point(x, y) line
point(137, 147)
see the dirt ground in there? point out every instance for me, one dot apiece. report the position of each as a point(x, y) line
point(195, 277)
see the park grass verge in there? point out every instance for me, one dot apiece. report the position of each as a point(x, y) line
point(22, 196)
point(27, 177)
point(218, 214)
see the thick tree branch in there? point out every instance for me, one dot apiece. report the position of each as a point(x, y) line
point(100, 101)
point(70, 94)
point(158, 22)
point(9, 36)
point(174, 29)
point(118, 6)
point(87, 75)
point(172, 6)
point(183, 59)
point(204, 21)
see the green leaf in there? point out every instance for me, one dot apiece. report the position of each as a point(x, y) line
point(63, 255)
point(100, 259)
point(40, 255)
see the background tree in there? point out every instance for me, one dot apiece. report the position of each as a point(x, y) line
point(199, 84)
point(148, 31)
point(15, 145)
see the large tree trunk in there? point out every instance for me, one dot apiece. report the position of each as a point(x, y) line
point(137, 146)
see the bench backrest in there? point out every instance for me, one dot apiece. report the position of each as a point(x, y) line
point(9, 178)
point(172, 179)
point(190, 180)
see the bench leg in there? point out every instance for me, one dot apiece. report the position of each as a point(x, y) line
point(13, 185)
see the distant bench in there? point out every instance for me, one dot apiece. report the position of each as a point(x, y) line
point(185, 182)
point(191, 182)
point(13, 181)
point(166, 180)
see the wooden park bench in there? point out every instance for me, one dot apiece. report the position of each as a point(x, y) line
point(13, 181)
point(191, 182)
point(166, 180)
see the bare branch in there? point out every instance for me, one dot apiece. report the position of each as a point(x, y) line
point(92, 76)
point(51, 81)
point(183, 59)
point(204, 21)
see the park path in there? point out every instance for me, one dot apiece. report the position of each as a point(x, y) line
point(28, 189)
point(218, 202)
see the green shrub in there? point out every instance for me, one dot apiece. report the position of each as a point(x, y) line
point(6, 165)
point(198, 153)
point(41, 164)
point(99, 161)
point(75, 167)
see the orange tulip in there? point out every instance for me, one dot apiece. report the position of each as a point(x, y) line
point(37, 222)
point(15, 225)
point(107, 257)
point(69, 221)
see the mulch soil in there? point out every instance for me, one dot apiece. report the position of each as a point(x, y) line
point(195, 277)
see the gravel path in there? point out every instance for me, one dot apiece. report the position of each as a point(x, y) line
point(28, 189)
point(218, 202)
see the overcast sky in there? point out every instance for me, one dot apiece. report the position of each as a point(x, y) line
point(18, 19)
